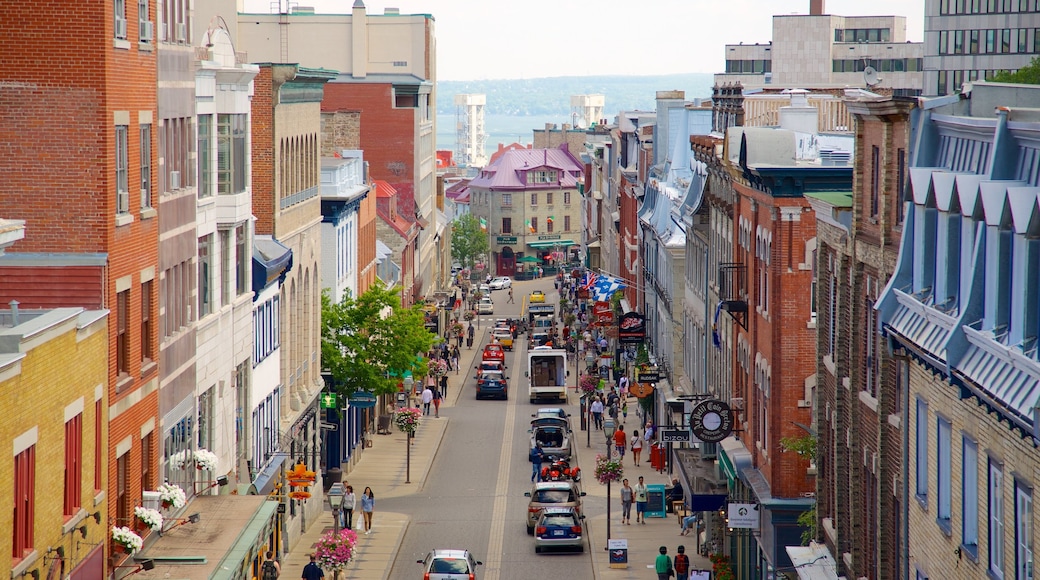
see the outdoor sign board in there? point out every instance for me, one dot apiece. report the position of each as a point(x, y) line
point(363, 400)
point(328, 401)
point(618, 552)
point(506, 239)
point(542, 309)
point(648, 376)
point(549, 237)
point(743, 515)
point(632, 328)
point(602, 312)
point(711, 421)
point(675, 436)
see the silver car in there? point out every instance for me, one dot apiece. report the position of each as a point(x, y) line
point(559, 528)
point(449, 565)
point(500, 283)
point(551, 494)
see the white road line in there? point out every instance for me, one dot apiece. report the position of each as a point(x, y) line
point(493, 561)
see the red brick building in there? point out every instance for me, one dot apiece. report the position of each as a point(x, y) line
point(79, 166)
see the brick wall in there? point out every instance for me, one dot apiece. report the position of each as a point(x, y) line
point(262, 141)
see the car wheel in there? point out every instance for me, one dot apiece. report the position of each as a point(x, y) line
point(581, 549)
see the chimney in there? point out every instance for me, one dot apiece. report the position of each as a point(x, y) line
point(816, 7)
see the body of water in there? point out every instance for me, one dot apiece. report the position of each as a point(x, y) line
point(504, 129)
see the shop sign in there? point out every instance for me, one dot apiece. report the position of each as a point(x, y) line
point(506, 239)
point(648, 376)
point(711, 421)
point(328, 401)
point(363, 400)
point(549, 237)
point(632, 328)
point(743, 516)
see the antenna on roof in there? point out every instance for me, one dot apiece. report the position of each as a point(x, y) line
point(870, 76)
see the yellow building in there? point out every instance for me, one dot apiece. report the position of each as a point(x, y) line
point(53, 372)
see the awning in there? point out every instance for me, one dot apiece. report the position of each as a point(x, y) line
point(733, 457)
point(268, 476)
point(813, 562)
point(595, 244)
point(271, 261)
point(707, 502)
point(552, 244)
point(423, 222)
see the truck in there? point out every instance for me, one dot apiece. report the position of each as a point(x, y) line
point(547, 373)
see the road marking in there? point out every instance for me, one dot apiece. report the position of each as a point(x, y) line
point(496, 543)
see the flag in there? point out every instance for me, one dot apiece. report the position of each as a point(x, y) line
point(590, 278)
point(483, 225)
point(605, 287)
point(549, 220)
point(715, 338)
point(531, 229)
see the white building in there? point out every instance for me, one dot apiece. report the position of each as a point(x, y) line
point(343, 187)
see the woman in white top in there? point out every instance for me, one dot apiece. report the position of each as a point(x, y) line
point(637, 446)
point(349, 503)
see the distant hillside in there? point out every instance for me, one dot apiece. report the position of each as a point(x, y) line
point(551, 96)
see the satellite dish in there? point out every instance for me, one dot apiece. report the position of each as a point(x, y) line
point(870, 76)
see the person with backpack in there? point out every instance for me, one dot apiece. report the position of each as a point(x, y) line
point(663, 564)
point(682, 564)
point(270, 569)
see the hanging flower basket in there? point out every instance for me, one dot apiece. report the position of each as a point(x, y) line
point(469, 315)
point(205, 459)
point(299, 495)
point(149, 517)
point(180, 459)
point(407, 419)
point(588, 384)
point(608, 470)
point(125, 539)
point(172, 496)
point(437, 367)
point(335, 549)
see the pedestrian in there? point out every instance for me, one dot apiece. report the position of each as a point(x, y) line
point(437, 402)
point(626, 502)
point(536, 462)
point(623, 386)
point(637, 447)
point(456, 355)
point(368, 504)
point(510, 301)
point(469, 336)
point(682, 564)
point(312, 571)
point(624, 409)
point(688, 523)
point(663, 564)
point(620, 441)
point(597, 412)
point(641, 498)
point(271, 569)
point(443, 392)
point(427, 398)
point(349, 504)
point(648, 436)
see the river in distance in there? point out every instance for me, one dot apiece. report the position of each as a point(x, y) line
point(501, 129)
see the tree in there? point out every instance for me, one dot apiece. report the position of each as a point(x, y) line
point(1027, 75)
point(364, 340)
point(469, 242)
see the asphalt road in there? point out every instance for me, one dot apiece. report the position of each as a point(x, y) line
point(474, 495)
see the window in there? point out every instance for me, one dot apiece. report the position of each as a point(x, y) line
point(205, 275)
point(922, 451)
point(98, 441)
point(943, 458)
point(813, 287)
point(1023, 532)
point(541, 177)
point(123, 503)
point(122, 170)
point(832, 304)
point(900, 184)
point(147, 461)
point(145, 33)
point(146, 166)
point(548, 198)
point(147, 291)
point(73, 465)
point(872, 340)
point(227, 267)
point(176, 140)
point(875, 180)
point(206, 419)
point(507, 200)
point(24, 502)
point(534, 225)
point(534, 199)
point(549, 224)
point(995, 494)
point(566, 198)
point(123, 333)
point(944, 40)
point(507, 225)
point(205, 156)
point(119, 10)
point(566, 223)
point(970, 496)
point(231, 154)
point(242, 259)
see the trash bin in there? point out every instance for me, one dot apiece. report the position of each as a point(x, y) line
point(332, 475)
point(656, 456)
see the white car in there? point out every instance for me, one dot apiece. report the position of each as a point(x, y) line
point(485, 306)
point(501, 283)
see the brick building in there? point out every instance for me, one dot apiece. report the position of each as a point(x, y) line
point(88, 193)
point(58, 359)
point(857, 412)
point(961, 312)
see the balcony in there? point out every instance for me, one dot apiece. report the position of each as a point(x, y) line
point(733, 291)
point(343, 177)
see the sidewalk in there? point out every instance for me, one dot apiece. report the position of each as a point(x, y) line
point(383, 468)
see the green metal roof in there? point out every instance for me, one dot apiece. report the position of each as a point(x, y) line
point(835, 198)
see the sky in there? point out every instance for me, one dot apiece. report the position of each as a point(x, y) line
point(496, 39)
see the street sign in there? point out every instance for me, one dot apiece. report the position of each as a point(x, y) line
point(675, 436)
point(328, 400)
point(329, 426)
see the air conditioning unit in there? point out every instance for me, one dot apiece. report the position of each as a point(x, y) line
point(150, 499)
point(147, 31)
point(182, 32)
point(175, 180)
point(120, 27)
point(122, 201)
point(736, 403)
point(769, 78)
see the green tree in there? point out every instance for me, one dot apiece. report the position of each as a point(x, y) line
point(806, 448)
point(469, 243)
point(1027, 75)
point(365, 339)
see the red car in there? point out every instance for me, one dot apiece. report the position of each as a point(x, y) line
point(494, 352)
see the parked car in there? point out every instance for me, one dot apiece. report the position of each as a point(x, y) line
point(485, 306)
point(559, 528)
point(449, 565)
point(484, 289)
point(492, 384)
point(552, 413)
point(537, 296)
point(553, 434)
point(503, 336)
point(500, 283)
point(551, 494)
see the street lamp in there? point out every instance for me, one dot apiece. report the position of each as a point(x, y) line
point(608, 428)
point(336, 495)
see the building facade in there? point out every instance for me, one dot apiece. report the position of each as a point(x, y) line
point(961, 313)
point(344, 188)
point(969, 41)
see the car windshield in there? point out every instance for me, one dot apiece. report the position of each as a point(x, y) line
point(449, 566)
point(564, 520)
point(491, 377)
point(554, 496)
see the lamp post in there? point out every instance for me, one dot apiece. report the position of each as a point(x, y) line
point(608, 428)
point(336, 495)
point(590, 358)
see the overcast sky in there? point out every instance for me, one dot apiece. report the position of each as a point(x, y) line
point(496, 39)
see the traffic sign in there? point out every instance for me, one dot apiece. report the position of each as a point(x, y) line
point(329, 426)
point(675, 436)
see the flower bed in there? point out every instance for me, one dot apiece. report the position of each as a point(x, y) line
point(335, 549)
point(149, 517)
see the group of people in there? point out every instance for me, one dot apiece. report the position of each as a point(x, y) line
point(666, 567)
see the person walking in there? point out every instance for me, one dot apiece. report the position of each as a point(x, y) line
point(437, 402)
point(597, 412)
point(427, 398)
point(663, 564)
point(536, 462)
point(271, 569)
point(444, 387)
point(312, 571)
point(626, 502)
point(641, 499)
point(682, 564)
point(456, 355)
point(368, 505)
point(469, 336)
point(637, 447)
point(349, 505)
point(510, 301)
point(621, 441)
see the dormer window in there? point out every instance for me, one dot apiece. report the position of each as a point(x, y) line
point(541, 177)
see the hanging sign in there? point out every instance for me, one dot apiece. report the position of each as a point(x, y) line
point(632, 328)
point(743, 515)
point(711, 421)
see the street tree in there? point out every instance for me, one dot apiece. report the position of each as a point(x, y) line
point(367, 339)
point(469, 242)
point(1027, 75)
